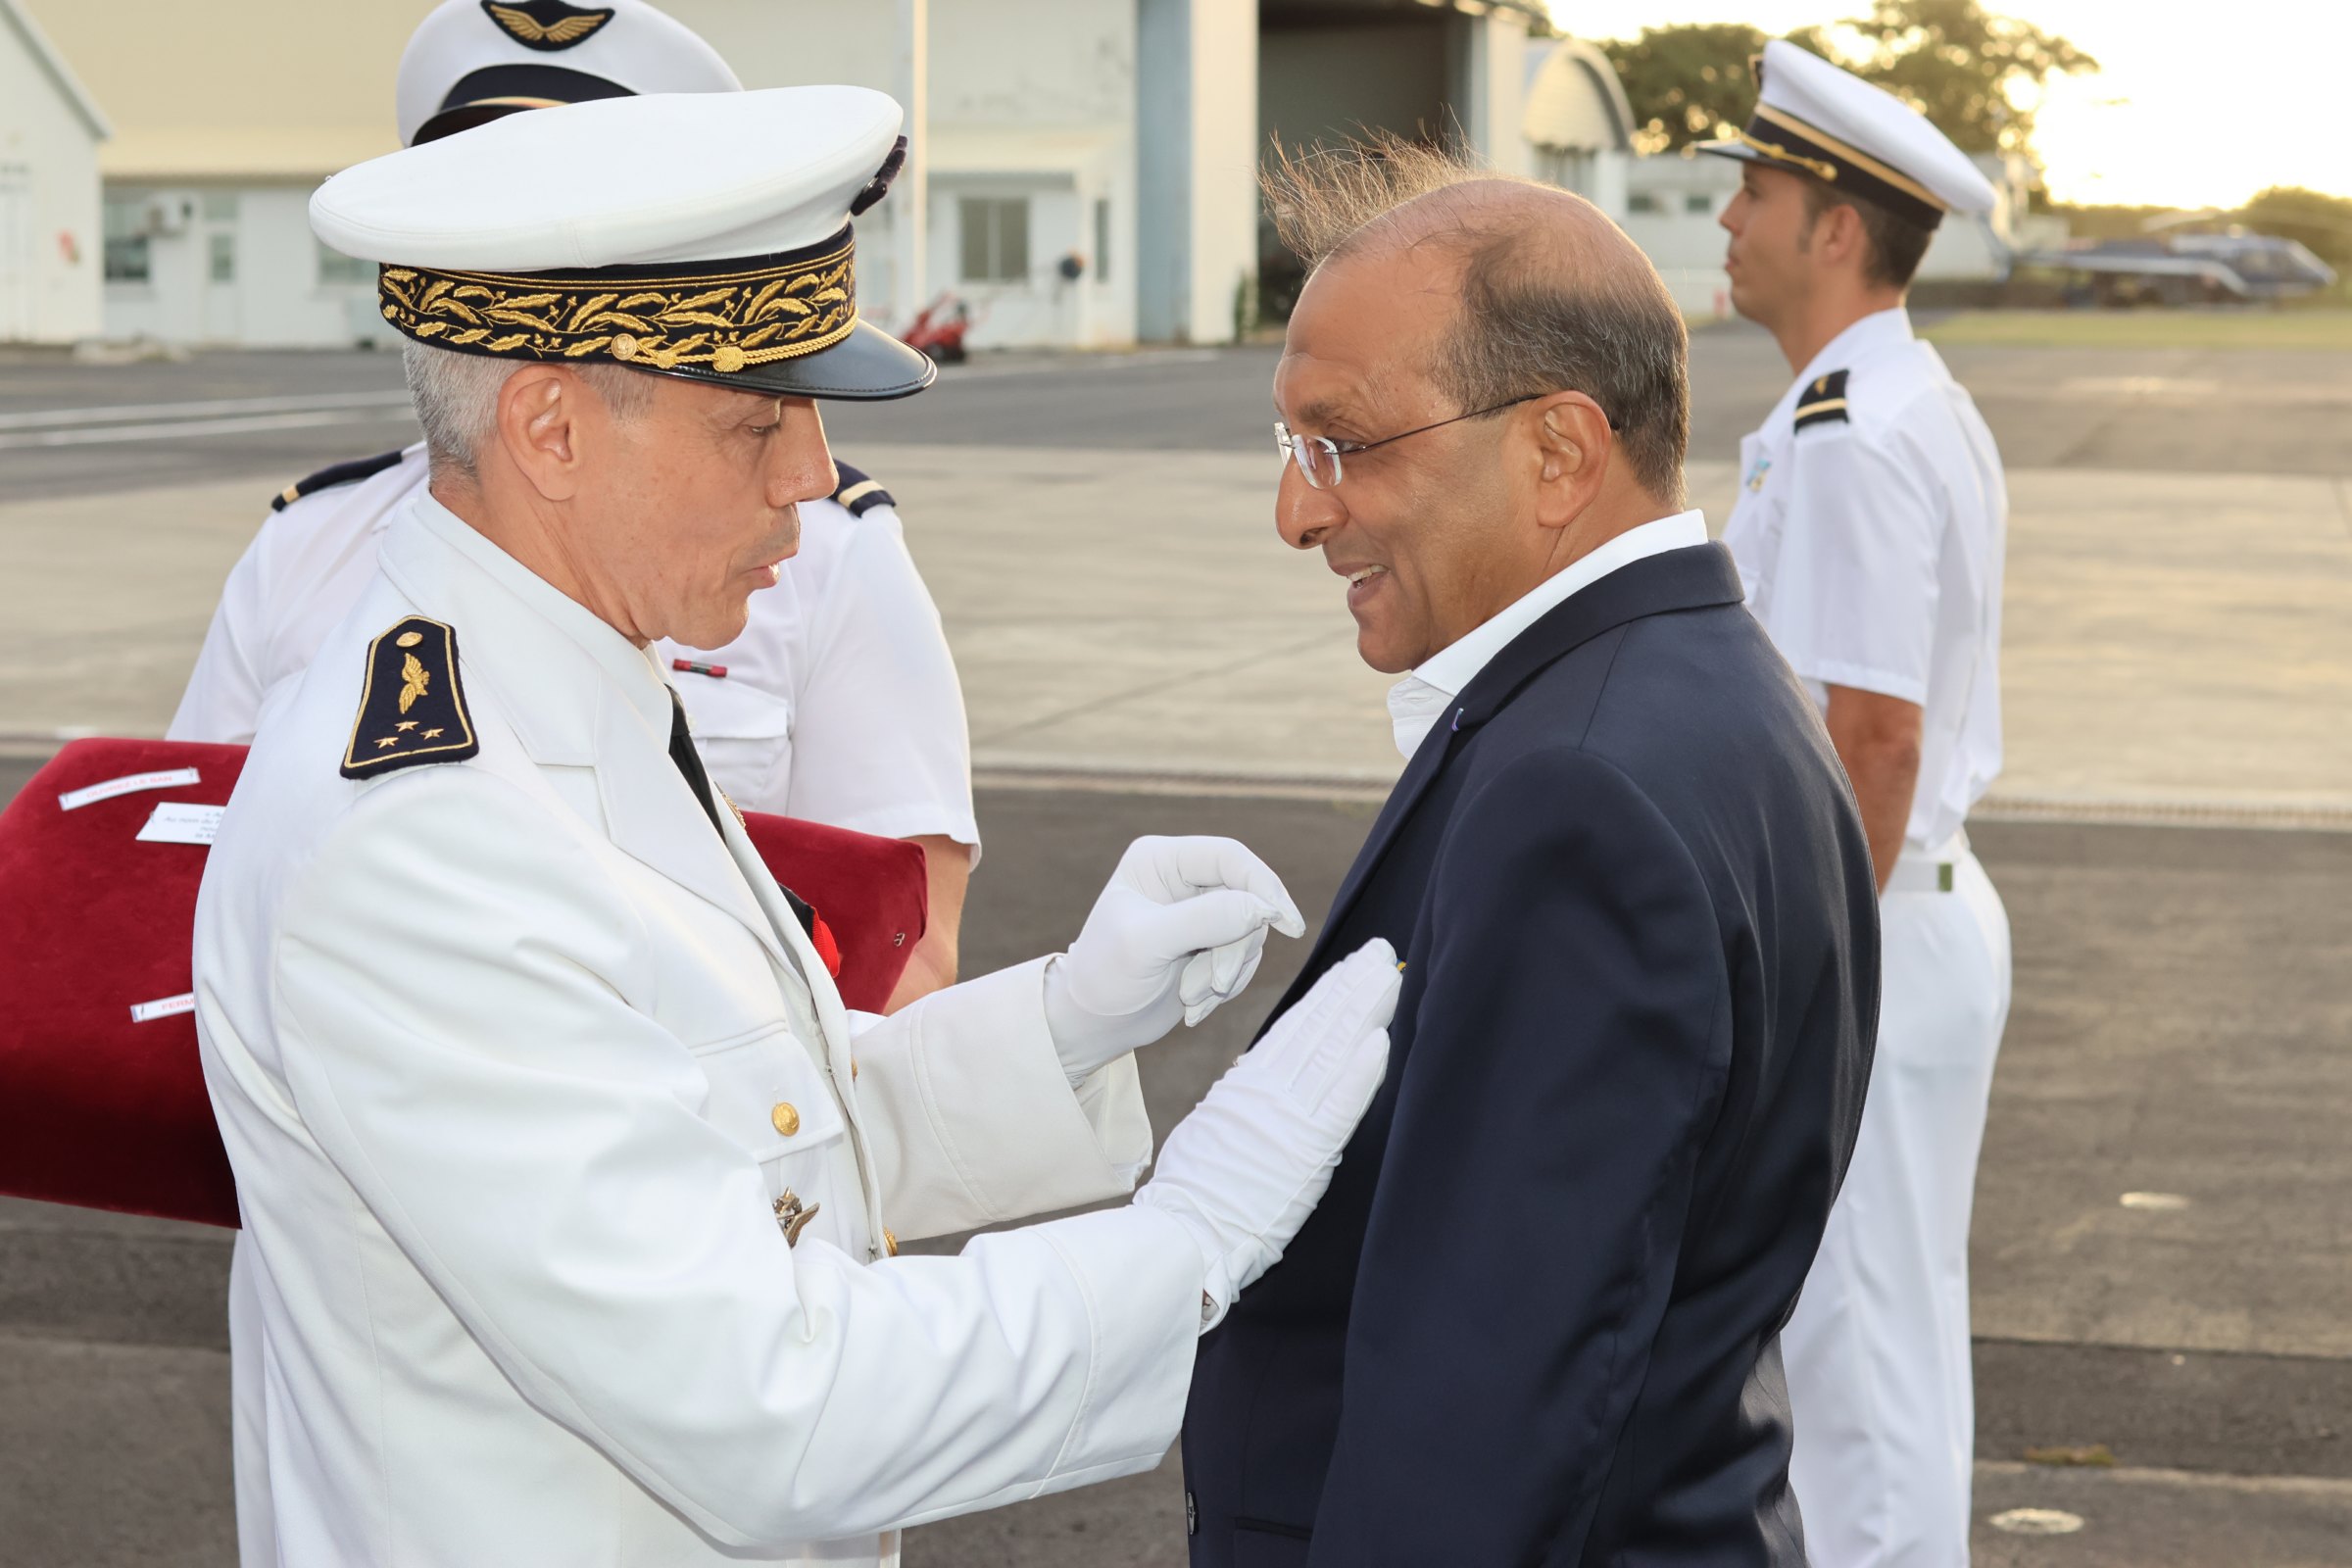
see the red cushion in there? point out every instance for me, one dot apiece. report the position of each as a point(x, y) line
point(100, 1110)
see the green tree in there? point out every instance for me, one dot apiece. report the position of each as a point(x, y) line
point(1960, 65)
point(1683, 82)
point(1950, 58)
point(2323, 223)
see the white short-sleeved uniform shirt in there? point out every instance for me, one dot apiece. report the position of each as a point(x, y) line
point(1871, 540)
point(839, 704)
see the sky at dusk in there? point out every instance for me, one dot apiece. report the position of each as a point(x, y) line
point(2183, 113)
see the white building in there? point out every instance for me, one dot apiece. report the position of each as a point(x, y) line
point(50, 239)
point(1577, 124)
point(1091, 164)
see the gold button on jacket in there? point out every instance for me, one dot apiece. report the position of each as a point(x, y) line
point(787, 1119)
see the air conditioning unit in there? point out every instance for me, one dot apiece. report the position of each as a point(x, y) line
point(167, 214)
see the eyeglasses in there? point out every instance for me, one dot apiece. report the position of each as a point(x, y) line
point(1319, 456)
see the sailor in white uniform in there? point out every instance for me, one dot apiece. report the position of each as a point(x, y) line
point(568, 1186)
point(1869, 532)
point(839, 703)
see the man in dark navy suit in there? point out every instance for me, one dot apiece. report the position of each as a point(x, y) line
point(1535, 1319)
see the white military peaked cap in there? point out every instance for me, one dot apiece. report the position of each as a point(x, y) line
point(472, 60)
point(1813, 117)
point(705, 235)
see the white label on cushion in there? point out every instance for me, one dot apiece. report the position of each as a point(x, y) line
point(163, 1008)
point(182, 822)
point(127, 784)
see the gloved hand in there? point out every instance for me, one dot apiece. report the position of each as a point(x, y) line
point(1178, 929)
point(1246, 1168)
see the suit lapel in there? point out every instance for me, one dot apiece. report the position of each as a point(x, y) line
point(654, 817)
point(1691, 578)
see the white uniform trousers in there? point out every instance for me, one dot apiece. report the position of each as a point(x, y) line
point(1879, 1382)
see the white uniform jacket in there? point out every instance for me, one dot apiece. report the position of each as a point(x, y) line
point(840, 702)
point(1870, 531)
point(515, 1058)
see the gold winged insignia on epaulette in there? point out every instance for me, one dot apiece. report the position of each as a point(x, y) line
point(414, 679)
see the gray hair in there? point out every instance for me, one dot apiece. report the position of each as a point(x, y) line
point(456, 395)
point(1546, 306)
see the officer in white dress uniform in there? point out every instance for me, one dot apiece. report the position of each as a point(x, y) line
point(838, 703)
point(1869, 532)
point(568, 1186)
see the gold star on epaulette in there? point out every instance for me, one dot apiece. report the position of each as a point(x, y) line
point(412, 708)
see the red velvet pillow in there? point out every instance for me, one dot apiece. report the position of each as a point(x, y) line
point(106, 1111)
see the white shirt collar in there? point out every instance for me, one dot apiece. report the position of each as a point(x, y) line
point(1887, 326)
point(1422, 697)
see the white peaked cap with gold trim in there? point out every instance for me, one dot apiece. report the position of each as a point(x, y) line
point(1815, 119)
point(706, 235)
point(473, 61)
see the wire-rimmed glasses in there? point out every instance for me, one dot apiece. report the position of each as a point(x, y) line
point(1319, 456)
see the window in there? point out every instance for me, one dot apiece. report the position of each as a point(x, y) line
point(336, 267)
point(220, 206)
point(1102, 239)
point(126, 251)
point(220, 252)
point(996, 238)
point(1699, 201)
point(1641, 200)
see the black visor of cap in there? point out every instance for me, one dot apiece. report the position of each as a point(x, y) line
point(1797, 152)
point(484, 95)
point(869, 366)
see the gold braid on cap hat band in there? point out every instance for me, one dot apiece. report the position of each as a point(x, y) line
point(1820, 167)
point(778, 309)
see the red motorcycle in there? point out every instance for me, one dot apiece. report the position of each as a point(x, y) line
point(939, 329)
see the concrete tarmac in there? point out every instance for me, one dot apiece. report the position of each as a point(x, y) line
point(2179, 1028)
point(68, 428)
point(2179, 617)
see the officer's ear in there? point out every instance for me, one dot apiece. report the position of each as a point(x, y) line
point(540, 411)
point(1839, 237)
point(1573, 448)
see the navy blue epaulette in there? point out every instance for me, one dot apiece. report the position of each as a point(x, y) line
point(334, 473)
point(1823, 401)
point(412, 708)
point(858, 492)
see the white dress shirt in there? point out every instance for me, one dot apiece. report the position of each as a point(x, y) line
point(1417, 702)
point(1871, 548)
point(840, 702)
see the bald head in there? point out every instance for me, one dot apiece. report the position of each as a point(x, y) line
point(1559, 228)
point(1544, 292)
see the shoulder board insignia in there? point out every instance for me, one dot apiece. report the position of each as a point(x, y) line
point(1823, 402)
point(860, 493)
point(334, 473)
point(545, 25)
point(412, 708)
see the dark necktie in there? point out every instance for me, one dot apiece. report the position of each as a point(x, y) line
point(689, 761)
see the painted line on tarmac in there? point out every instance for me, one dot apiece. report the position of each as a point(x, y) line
point(2303, 816)
point(1114, 778)
point(2317, 1487)
point(181, 430)
point(120, 412)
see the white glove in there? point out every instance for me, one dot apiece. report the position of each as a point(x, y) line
point(1246, 1168)
point(1178, 928)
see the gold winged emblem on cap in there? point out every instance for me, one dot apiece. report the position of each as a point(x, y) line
point(530, 29)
